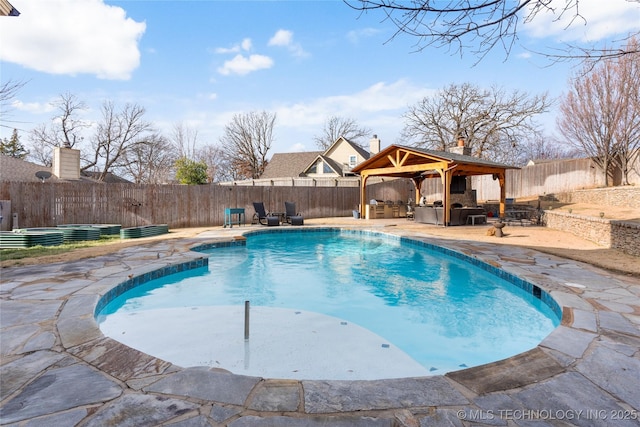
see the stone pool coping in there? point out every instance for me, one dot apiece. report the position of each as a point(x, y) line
point(57, 367)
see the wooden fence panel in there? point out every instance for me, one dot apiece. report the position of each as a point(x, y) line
point(179, 206)
point(544, 178)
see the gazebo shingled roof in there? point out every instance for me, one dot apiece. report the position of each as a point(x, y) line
point(418, 164)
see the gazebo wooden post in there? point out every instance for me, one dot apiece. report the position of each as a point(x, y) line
point(417, 183)
point(363, 195)
point(503, 194)
point(447, 197)
point(445, 179)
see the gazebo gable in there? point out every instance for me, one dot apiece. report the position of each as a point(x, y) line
point(397, 160)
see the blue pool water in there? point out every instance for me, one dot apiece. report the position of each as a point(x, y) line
point(441, 312)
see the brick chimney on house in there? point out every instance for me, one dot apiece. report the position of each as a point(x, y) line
point(374, 145)
point(461, 148)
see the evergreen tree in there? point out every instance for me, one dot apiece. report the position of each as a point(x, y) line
point(12, 147)
point(191, 172)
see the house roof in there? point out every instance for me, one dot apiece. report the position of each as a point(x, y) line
point(289, 165)
point(6, 9)
point(364, 153)
point(18, 170)
point(335, 166)
point(292, 165)
point(14, 169)
point(109, 178)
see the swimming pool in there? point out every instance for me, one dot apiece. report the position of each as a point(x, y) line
point(378, 306)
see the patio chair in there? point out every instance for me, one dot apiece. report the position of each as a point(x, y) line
point(291, 216)
point(262, 217)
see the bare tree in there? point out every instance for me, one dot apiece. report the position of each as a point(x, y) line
point(459, 24)
point(544, 147)
point(151, 160)
point(246, 142)
point(8, 91)
point(118, 132)
point(184, 138)
point(628, 148)
point(65, 129)
point(601, 113)
point(336, 127)
point(493, 122)
point(213, 156)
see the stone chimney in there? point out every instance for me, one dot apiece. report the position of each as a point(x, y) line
point(374, 145)
point(461, 148)
point(66, 163)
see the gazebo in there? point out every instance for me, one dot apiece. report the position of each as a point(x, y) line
point(418, 164)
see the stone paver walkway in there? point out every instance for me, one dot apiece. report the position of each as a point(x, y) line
point(58, 369)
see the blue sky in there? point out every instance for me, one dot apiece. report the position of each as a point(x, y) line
point(200, 62)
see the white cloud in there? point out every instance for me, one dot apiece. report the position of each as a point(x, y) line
point(244, 65)
point(284, 38)
point(33, 107)
point(379, 107)
point(281, 38)
point(598, 20)
point(297, 147)
point(72, 37)
point(354, 36)
point(244, 45)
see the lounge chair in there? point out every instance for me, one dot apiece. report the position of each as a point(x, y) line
point(291, 216)
point(262, 216)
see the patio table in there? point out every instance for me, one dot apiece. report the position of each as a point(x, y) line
point(228, 217)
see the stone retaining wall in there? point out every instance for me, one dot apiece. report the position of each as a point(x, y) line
point(620, 235)
point(626, 196)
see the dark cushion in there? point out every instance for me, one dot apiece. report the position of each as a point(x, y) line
point(273, 220)
point(297, 220)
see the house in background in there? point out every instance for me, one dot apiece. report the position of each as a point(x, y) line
point(18, 170)
point(289, 165)
point(336, 161)
point(66, 167)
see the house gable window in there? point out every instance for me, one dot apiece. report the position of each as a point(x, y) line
point(326, 168)
point(352, 161)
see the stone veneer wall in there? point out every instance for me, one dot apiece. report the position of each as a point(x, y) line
point(625, 196)
point(615, 234)
point(620, 235)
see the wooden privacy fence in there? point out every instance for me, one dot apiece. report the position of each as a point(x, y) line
point(49, 204)
point(541, 179)
point(179, 206)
